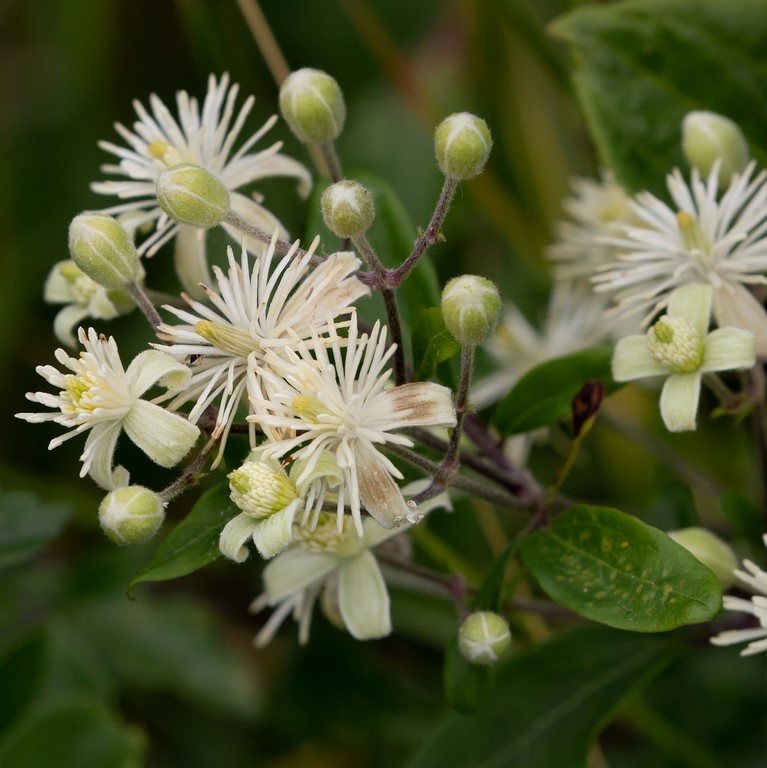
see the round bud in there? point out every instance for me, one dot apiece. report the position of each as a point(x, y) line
point(483, 638)
point(471, 308)
point(347, 208)
point(190, 195)
point(708, 137)
point(462, 143)
point(103, 250)
point(131, 515)
point(714, 553)
point(313, 106)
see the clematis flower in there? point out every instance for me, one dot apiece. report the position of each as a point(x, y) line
point(204, 138)
point(702, 239)
point(102, 398)
point(320, 400)
point(254, 310)
point(753, 577)
point(679, 347)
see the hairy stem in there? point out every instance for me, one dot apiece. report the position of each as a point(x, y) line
point(144, 304)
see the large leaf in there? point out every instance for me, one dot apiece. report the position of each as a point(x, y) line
point(612, 568)
point(545, 394)
point(193, 543)
point(76, 731)
point(641, 65)
point(26, 526)
point(467, 685)
point(432, 343)
point(549, 703)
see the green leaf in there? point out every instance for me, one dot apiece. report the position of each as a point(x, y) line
point(75, 731)
point(641, 65)
point(26, 526)
point(467, 685)
point(544, 395)
point(610, 567)
point(432, 343)
point(549, 703)
point(193, 543)
point(490, 594)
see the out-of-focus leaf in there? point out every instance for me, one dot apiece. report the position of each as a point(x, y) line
point(26, 526)
point(641, 65)
point(75, 731)
point(745, 516)
point(544, 394)
point(467, 685)
point(549, 703)
point(193, 543)
point(432, 343)
point(610, 567)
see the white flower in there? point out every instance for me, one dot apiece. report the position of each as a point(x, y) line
point(100, 396)
point(68, 284)
point(341, 564)
point(204, 138)
point(594, 209)
point(722, 242)
point(755, 578)
point(574, 320)
point(253, 311)
point(679, 346)
point(318, 401)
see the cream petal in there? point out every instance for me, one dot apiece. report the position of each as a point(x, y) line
point(191, 261)
point(378, 492)
point(56, 289)
point(414, 405)
point(273, 534)
point(727, 349)
point(163, 436)
point(679, 401)
point(374, 534)
point(66, 320)
point(98, 456)
point(363, 598)
point(235, 535)
point(295, 570)
point(153, 366)
point(632, 360)
point(254, 167)
point(735, 305)
point(693, 303)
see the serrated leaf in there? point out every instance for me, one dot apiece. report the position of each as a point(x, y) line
point(193, 543)
point(610, 567)
point(544, 395)
point(432, 343)
point(76, 731)
point(26, 526)
point(641, 65)
point(548, 704)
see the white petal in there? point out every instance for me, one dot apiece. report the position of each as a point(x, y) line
point(273, 534)
point(295, 570)
point(735, 305)
point(191, 261)
point(235, 535)
point(679, 401)
point(66, 320)
point(414, 405)
point(57, 289)
point(727, 349)
point(163, 436)
point(363, 598)
point(374, 534)
point(378, 491)
point(631, 360)
point(99, 454)
point(693, 303)
point(151, 367)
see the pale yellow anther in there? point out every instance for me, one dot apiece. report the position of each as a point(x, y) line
point(157, 149)
point(327, 538)
point(309, 408)
point(674, 342)
point(693, 236)
point(226, 338)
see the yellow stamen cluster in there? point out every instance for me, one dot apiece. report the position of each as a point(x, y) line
point(674, 342)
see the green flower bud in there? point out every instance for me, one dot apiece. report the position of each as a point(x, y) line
point(714, 553)
point(190, 195)
point(131, 515)
point(347, 208)
point(471, 308)
point(707, 137)
point(103, 250)
point(313, 106)
point(483, 638)
point(462, 143)
point(261, 489)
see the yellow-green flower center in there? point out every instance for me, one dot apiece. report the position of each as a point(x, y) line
point(674, 342)
point(693, 236)
point(309, 408)
point(259, 490)
point(227, 338)
point(327, 538)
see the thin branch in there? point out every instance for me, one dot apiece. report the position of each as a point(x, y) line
point(144, 304)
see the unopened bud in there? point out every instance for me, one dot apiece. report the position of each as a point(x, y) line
point(714, 553)
point(313, 106)
point(131, 515)
point(103, 250)
point(260, 489)
point(462, 143)
point(483, 638)
point(471, 308)
point(347, 208)
point(708, 137)
point(190, 195)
